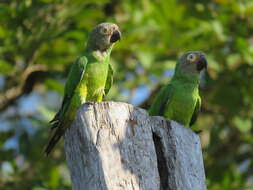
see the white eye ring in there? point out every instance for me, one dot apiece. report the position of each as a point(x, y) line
point(103, 31)
point(191, 57)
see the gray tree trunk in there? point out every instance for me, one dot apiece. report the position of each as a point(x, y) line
point(116, 146)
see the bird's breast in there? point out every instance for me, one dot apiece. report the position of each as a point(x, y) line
point(182, 104)
point(93, 82)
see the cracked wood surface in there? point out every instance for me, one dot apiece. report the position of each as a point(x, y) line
point(116, 146)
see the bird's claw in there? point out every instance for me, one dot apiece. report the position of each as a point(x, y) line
point(89, 103)
point(197, 131)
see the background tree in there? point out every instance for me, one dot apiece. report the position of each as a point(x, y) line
point(39, 39)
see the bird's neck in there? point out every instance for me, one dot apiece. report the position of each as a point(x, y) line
point(180, 76)
point(98, 54)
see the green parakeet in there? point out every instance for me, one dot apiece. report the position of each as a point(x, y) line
point(180, 100)
point(89, 79)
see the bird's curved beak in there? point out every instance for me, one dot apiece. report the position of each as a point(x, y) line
point(116, 35)
point(202, 63)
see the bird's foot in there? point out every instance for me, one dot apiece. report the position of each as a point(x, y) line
point(197, 131)
point(89, 103)
point(101, 91)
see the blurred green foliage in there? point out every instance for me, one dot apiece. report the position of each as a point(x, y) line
point(39, 39)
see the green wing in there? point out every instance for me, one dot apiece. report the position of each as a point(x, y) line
point(109, 79)
point(74, 77)
point(196, 111)
point(161, 100)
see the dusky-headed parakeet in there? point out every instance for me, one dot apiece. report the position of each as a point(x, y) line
point(89, 79)
point(180, 100)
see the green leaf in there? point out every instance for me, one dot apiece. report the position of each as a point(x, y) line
point(5, 67)
point(54, 84)
point(244, 125)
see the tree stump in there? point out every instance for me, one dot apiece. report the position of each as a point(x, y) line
point(116, 146)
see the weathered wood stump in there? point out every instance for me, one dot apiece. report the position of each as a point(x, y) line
point(116, 146)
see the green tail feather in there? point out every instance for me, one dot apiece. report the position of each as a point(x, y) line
point(54, 140)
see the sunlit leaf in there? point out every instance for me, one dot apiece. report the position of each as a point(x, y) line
point(244, 125)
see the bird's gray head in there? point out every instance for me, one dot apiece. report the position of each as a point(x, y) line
point(192, 63)
point(103, 36)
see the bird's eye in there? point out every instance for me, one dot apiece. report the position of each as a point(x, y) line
point(103, 31)
point(191, 57)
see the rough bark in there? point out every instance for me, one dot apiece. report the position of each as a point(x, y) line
point(116, 146)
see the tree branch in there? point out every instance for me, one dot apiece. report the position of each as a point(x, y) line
point(29, 78)
point(113, 145)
